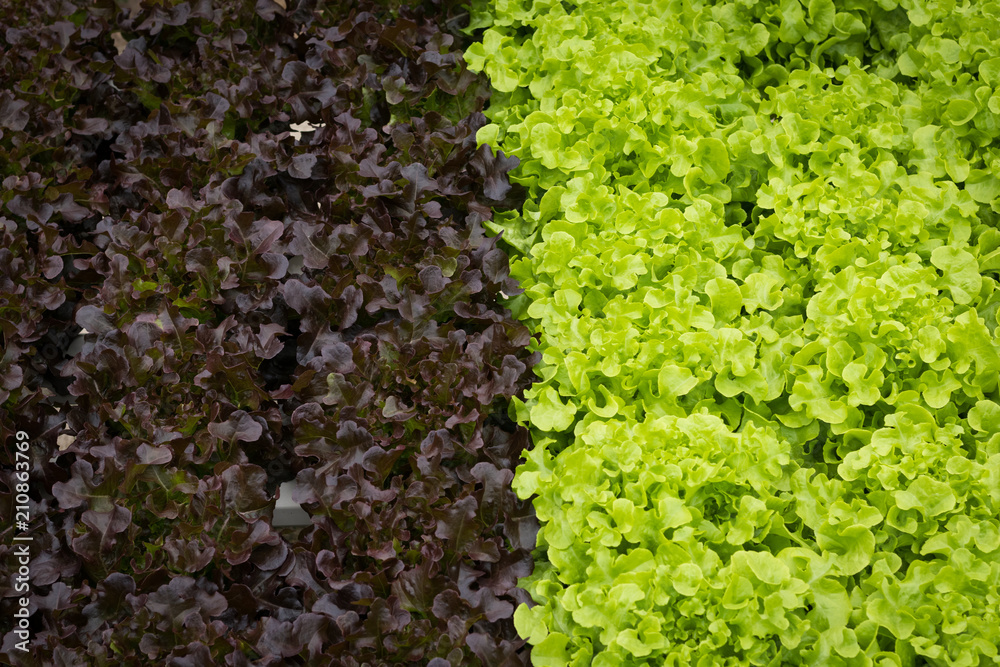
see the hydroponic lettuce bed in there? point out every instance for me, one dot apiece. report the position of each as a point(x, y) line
point(269, 220)
point(760, 247)
point(747, 400)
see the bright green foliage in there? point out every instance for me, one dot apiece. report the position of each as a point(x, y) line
point(761, 250)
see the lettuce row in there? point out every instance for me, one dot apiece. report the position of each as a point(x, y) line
point(761, 254)
point(241, 244)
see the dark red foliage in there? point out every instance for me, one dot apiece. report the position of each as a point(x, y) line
point(259, 307)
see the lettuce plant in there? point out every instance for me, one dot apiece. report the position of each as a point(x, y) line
point(760, 250)
point(260, 303)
